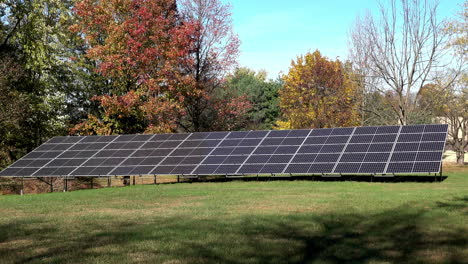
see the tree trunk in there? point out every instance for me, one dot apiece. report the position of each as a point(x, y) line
point(460, 158)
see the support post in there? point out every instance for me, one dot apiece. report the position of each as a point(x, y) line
point(177, 178)
point(92, 183)
point(65, 184)
point(109, 181)
point(51, 184)
point(134, 179)
point(155, 180)
point(441, 166)
point(22, 185)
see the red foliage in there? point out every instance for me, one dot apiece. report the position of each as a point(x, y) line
point(161, 63)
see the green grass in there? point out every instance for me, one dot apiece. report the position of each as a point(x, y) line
point(241, 222)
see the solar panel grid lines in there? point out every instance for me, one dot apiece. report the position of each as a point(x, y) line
point(84, 138)
point(434, 129)
point(297, 151)
point(128, 157)
point(388, 149)
point(43, 167)
point(393, 148)
point(219, 143)
point(252, 153)
point(341, 154)
point(163, 169)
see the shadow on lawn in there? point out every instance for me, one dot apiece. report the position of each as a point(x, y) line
point(395, 236)
point(456, 204)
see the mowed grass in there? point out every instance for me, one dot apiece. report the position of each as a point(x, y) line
point(242, 222)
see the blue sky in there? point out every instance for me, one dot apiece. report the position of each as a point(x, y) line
point(273, 32)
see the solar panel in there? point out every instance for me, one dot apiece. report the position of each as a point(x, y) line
point(374, 150)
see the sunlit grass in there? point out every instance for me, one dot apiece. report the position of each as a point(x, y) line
point(241, 222)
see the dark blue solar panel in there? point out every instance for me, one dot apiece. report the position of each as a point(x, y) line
point(384, 138)
point(342, 131)
point(315, 140)
point(403, 156)
point(253, 151)
point(376, 157)
point(298, 133)
point(310, 149)
point(400, 167)
point(434, 137)
point(297, 168)
point(206, 169)
point(286, 149)
point(432, 146)
point(279, 133)
point(265, 150)
point(217, 135)
point(163, 170)
point(280, 159)
point(436, 128)
point(235, 160)
point(337, 139)
point(365, 130)
point(227, 169)
point(140, 170)
point(388, 130)
point(238, 134)
point(412, 129)
point(352, 157)
point(182, 169)
point(321, 132)
point(304, 158)
point(426, 167)
point(372, 168)
point(357, 148)
point(327, 157)
point(361, 139)
point(321, 168)
point(273, 168)
point(385, 147)
point(409, 137)
point(223, 151)
point(347, 168)
point(429, 156)
point(250, 169)
point(332, 149)
point(258, 159)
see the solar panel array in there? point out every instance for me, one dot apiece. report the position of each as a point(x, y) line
point(373, 150)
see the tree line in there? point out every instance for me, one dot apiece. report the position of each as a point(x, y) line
point(89, 67)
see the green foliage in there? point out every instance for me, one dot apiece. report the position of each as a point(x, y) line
point(33, 34)
point(262, 94)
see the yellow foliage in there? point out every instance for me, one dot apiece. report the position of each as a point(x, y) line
point(319, 93)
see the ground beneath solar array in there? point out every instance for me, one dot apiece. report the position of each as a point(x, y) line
point(242, 222)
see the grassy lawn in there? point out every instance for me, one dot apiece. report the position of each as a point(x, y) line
point(242, 222)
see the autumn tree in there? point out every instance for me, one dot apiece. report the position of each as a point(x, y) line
point(400, 51)
point(319, 93)
point(141, 48)
point(216, 48)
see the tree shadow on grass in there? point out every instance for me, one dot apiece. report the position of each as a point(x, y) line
point(459, 204)
point(400, 235)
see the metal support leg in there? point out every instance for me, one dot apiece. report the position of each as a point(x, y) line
point(92, 183)
point(65, 184)
point(134, 179)
point(22, 185)
point(155, 180)
point(51, 184)
point(178, 179)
